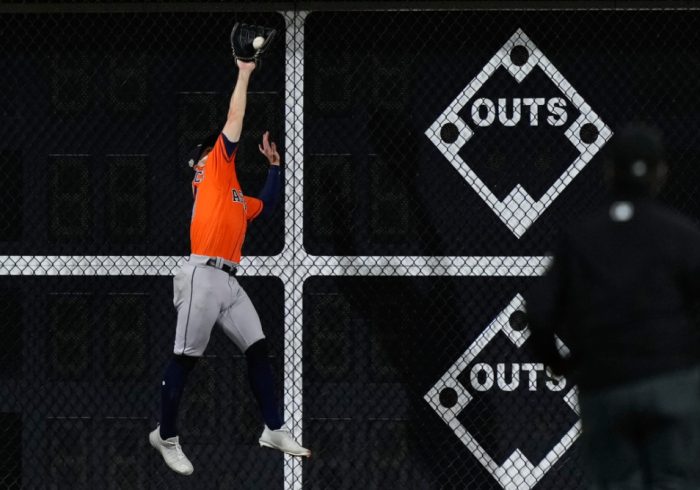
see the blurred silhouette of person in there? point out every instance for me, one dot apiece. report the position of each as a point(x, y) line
point(620, 293)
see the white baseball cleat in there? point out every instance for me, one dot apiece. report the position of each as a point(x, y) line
point(282, 440)
point(172, 453)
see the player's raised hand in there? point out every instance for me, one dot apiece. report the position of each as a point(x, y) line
point(269, 149)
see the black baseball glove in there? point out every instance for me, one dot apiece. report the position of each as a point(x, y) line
point(242, 36)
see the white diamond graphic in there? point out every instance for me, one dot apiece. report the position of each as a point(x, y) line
point(518, 210)
point(517, 472)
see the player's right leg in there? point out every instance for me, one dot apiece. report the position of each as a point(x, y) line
point(198, 304)
point(164, 438)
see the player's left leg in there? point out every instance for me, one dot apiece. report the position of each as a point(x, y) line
point(262, 383)
point(241, 324)
point(275, 434)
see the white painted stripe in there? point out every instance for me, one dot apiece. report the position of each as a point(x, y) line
point(294, 191)
point(88, 265)
point(435, 266)
point(299, 265)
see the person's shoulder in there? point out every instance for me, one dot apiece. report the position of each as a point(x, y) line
point(223, 151)
point(673, 218)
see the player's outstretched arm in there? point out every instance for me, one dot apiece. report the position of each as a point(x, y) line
point(236, 109)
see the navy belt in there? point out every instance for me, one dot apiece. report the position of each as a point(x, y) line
point(228, 269)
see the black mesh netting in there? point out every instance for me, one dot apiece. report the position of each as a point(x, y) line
point(430, 158)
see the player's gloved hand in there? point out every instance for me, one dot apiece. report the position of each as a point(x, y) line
point(242, 37)
point(269, 149)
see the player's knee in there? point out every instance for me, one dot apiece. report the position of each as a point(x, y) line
point(257, 351)
point(186, 362)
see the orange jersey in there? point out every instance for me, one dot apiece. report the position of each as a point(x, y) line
point(221, 212)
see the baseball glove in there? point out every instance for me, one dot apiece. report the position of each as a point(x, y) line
point(242, 36)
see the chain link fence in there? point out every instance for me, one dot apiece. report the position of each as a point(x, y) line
point(429, 159)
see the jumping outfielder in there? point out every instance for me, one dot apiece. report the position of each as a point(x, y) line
point(205, 288)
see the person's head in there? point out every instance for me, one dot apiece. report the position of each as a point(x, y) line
point(636, 165)
point(204, 155)
point(200, 152)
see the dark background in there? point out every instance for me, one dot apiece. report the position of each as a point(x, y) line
point(98, 110)
point(377, 80)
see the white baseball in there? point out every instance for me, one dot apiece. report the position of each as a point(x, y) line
point(258, 42)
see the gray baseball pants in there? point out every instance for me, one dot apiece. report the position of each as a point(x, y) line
point(205, 296)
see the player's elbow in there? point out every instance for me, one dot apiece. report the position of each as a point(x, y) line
point(234, 116)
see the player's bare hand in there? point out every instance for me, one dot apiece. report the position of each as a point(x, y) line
point(247, 66)
point(269, 149)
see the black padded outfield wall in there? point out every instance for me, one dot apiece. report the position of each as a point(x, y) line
point(430, 159)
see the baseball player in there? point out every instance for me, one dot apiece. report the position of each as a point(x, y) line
point(206, 292)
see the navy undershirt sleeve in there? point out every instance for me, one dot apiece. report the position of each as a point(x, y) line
point(230, 146)
point(270, 192)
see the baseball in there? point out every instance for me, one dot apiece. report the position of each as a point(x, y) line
point(258, 42)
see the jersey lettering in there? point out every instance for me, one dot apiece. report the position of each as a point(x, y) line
point(238, 197)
